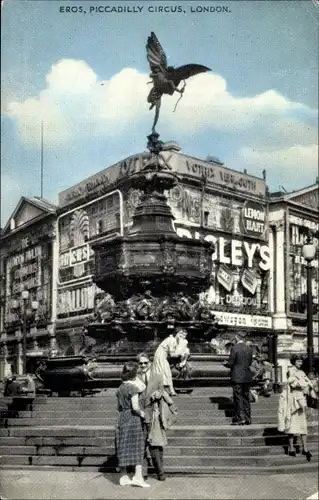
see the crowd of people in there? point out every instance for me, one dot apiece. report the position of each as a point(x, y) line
point(146, 408)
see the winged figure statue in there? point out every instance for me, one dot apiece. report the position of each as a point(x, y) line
point(166, 79)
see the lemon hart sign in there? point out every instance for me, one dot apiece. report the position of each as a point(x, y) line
point(254, 218)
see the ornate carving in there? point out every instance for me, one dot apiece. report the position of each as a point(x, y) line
point(169, 257)
point(79, 227)
point(143, 307)
point(104, 307)
point(202, 311)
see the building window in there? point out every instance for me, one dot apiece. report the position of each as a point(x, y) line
point(100, 226)
point(205, 218)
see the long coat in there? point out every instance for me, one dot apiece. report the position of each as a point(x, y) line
point(160, 412)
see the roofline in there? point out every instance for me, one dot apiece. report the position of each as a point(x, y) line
point(23, 199)
point(287, 196)
point(27, 224)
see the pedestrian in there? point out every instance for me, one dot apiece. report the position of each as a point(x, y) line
point(292, 416)
point(171, 347)
point(129, 434)
point(239, 362)
point(160, 413)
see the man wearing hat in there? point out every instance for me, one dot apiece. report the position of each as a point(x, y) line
point(239, 361)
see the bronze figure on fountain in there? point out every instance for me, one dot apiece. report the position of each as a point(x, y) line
point(166, 79)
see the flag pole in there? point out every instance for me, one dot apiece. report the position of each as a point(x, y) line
point(42, 159)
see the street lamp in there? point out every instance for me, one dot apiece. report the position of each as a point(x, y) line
point(25, 295)
point(309, 252)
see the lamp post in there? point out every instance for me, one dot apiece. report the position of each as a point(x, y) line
point(309, 252)
point(25, 296)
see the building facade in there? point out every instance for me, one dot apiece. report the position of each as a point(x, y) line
point(210, 201)
point(292, 218)
point(258, 280)
point(28, 256)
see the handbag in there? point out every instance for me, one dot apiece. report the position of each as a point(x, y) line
point(312, 402)
point(312, 398)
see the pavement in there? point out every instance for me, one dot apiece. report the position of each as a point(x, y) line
point(83, 485)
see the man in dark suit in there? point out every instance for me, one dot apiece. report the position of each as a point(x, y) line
point(240, 359)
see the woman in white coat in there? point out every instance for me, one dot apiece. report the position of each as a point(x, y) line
point(292, 416)
point(172, 346)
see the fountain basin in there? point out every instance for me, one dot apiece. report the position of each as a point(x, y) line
point(80, 373)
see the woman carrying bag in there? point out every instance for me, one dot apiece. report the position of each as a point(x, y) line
point(292, 411)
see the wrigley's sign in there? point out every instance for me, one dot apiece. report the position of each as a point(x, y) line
point(183, 165)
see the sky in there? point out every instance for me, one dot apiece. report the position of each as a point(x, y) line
point(84, 75)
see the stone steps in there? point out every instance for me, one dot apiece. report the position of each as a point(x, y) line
point(171, 450)
point(92, 421)
point(78, 434)
point(195, 409)
point(184, 403)
point(110, 401)
point(183, 470)
point(248, 442)
point(210, 411)
point(195, 461)
point(203, 431)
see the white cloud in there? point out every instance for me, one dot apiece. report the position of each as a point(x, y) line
point(76, 104)
point(290, 163)
point(71, 76)
point(207, 103)
point(14, 190)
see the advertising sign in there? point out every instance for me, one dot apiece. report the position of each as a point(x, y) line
point(74, 256)
point(78, 229)
point(239, 253)
point(245, 320)
point(178, 162)
point(225, 278)
point(249, 281)
point(76, 299)
point(29, 269)
point(253, 218)
point(239, 272)
point(82, 226)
